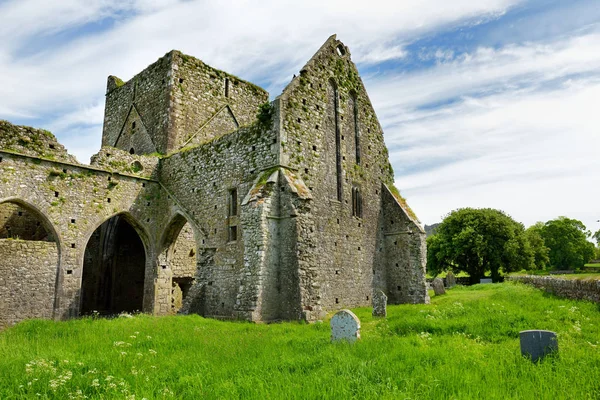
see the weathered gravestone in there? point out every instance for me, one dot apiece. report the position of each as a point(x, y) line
point(450, 279)
point(345, 326)
point(485, 280)
point(438, 286)
point(379, 304)
point(537, 344)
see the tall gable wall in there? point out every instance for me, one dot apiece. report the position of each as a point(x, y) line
point(322, 147)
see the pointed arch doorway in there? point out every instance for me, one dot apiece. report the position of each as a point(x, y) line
point(113, 269)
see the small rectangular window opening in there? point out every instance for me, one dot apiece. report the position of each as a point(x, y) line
point(232, 202)
point(233, 233)
point(226, 87)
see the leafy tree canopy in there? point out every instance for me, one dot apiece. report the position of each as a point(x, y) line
point(567, 240)
point(596, 237)
point(479, 240)
point(538, 246)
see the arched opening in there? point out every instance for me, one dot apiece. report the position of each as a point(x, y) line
point(29, 261)
point(179, 257)
point(113, 269)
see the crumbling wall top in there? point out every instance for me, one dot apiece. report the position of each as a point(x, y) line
point(32, 142)
point(117, 160)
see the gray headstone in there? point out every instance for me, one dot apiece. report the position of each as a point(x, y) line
point(438, 286)
point(345, 326)
point(379, 304)
point(450, 279)
point(537, 344)
point(485, 280)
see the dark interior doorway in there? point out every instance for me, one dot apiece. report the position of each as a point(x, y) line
point(113, 269)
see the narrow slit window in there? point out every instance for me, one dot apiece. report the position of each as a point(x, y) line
point(226, 87)
point(338, 159)
point(233, 202)
point(354, 100)
point(356, 203)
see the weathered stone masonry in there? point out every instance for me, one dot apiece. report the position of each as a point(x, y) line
point(206, 198)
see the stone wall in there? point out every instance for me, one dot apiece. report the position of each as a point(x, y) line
point(571, 288)
point(33, 142)
point(136, 114)
point(183, 253)
point(28, 272)
point(177, 101)
point(208, 103)
point(243, 209)
point(401, 260)
point(112, 159)
point(16, 222)
point(201, 179)
point(74, 200)
point(330, 134)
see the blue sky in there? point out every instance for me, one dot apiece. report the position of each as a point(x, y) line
point(488, 103)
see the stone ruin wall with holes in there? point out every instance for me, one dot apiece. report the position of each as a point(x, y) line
point(180, 140)
point(332, 138)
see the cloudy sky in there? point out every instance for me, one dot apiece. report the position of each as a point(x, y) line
point(487, 103)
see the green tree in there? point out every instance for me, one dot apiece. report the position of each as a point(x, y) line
point(539, 248)
point(567, 240)
point(479, 240)
point(596, 237)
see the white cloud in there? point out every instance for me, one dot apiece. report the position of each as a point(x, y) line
point(271, 39)
point(514, 128)
point(486, 70)
point(533, 154)
point(517, 136)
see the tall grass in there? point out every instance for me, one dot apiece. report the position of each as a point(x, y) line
point(463, 346)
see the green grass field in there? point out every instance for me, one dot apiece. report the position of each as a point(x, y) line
point(463, 346)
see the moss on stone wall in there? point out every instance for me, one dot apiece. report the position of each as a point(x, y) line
point(396, 193)
point(31, 141)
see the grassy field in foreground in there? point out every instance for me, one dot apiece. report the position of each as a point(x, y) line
point(463, 346)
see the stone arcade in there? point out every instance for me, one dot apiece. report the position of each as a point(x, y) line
point(206, 198)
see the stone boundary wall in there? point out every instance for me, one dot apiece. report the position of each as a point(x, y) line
point(570, 288)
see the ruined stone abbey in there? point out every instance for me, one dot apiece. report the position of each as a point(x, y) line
point(207, 198)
